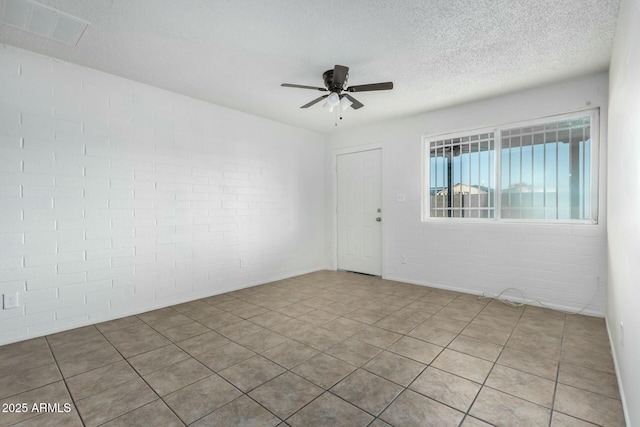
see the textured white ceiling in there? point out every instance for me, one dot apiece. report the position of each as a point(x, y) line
point(236, 53)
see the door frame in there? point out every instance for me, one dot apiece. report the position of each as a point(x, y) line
point(334, 200)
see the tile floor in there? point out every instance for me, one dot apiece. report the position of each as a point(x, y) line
point(323, 349)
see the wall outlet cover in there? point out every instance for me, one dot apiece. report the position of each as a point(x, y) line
point(10, 301)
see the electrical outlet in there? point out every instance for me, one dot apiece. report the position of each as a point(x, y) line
point(622, 334)
point(403, 259)
point(10, 301)
point(241, 263)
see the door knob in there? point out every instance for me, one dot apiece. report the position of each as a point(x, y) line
point(378, 219)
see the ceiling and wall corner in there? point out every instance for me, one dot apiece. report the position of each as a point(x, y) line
point(236, 54)
point(439, 54)
point(561, 265)
point(118, 198)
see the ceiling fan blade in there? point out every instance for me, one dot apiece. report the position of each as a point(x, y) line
point(355, 104)
point(340, 73)
point(314, 101)
point(304, 87)
point(369, 87)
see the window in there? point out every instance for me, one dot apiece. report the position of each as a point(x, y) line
point(538, 170)
point(461, 176)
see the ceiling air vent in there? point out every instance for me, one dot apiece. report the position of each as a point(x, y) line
point(42, 20)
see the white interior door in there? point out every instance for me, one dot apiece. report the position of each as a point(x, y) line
point(359, 211)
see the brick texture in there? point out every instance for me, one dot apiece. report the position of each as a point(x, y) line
point(118, 198)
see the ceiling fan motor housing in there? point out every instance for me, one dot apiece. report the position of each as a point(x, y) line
point(327, 76)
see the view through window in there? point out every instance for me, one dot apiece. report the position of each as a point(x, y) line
point(540, 170)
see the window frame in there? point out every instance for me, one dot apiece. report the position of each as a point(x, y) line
point(594, 168)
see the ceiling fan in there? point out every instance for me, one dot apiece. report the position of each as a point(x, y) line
point(334, 82)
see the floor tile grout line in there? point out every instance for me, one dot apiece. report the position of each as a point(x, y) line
point(403, 387)
point(483, 384)
point(285, 368)
point(399, 394)
point(65, 382)
point(555, 385)
point(362, 409)
point(558, 377)
point(139, 376)
point(193, 320)
point(316, 398)
point(556, 382)
point(586, 389)
point(328, 390)
point(192, 356)
point(424, 369)
point(261, 405)
point(495, 362)
point(229, 403)
point(243, 393)
point(36, 387)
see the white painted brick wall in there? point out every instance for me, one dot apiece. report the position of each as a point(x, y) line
point(623, 228)
point(557, 264)
point(117, 198)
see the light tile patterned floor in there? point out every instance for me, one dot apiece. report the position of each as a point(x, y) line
point(323, 349)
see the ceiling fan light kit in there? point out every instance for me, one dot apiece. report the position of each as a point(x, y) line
point(334, 82)
point(345, 103)
point(331, 101)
